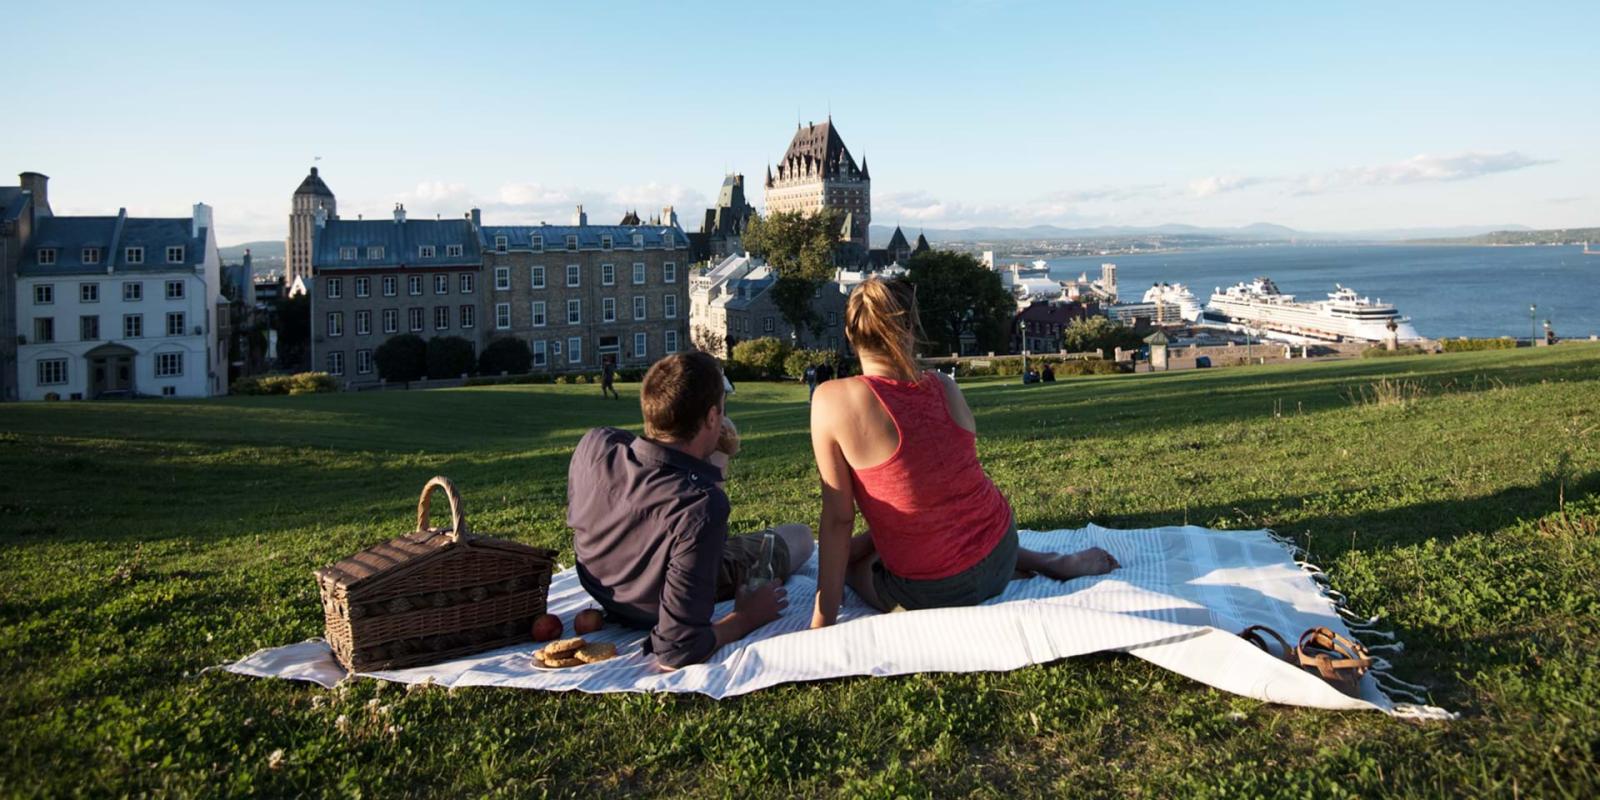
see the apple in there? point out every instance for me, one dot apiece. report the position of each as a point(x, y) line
point(588, 620)
point(546, 627)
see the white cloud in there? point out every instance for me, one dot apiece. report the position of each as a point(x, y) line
point(1218, 184)
point(1418, 169)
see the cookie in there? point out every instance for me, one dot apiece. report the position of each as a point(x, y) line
point(556, 662)
point(599, 651)
point(563, 647)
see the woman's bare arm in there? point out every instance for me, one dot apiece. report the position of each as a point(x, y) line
point(838, 503)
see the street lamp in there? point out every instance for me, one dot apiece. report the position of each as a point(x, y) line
point(1533, 324)
point(1023, 324)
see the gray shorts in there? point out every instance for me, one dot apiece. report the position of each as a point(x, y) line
point(969, 587)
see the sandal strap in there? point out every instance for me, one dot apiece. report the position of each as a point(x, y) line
point(1335, 658)
point(1253, 633)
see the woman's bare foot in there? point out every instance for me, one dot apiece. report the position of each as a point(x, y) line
point(1065, 567)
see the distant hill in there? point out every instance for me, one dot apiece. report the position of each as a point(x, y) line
point(1522, 237)
point(1254, 233)
point(258, 250)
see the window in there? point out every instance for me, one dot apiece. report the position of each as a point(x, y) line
point(91, 255)
point(572, 275)
point(669, 306)
point(390, 286)
point(44, 330)
point(44, 294)
point(413, 285)
point(639, 307)
point(373, 251)
point(500, 244)
point(667, 240)
point(175, 323)
point(502, 316)
point(175, 290)
point(469, 316)
point(671, 340)
point(336, 363)
point(363, 362)
point(335, 323)
point(132, 326)
point(574, 312)
point(426, 251)
point(574, 350)
point(47, 256)
point(88, 329)
point(88, 292)
point(605, 242)
point(538, 243)
point(441, 318)
point(572, 242)
point(539, 320)
point(537, 273)
point(169, 391)
point(363, 323)
point(466, 283)
point(335, 289)
point(175, 255)
point(555, 347)
point(452, 251)
point(391, 320)
point(641, 342)
point(169, 365)
point(638, 241)
point(638, 274)
point(767, 325)
point(502, 278)
point(608, 274)
point(363, 287)
point(669, 272)
point(52, 371)
point(347, 254)
point(441, 284)
point(133, 255)
point(132, 292)
point(414, 319)
point(540, 356)
point(608, 309)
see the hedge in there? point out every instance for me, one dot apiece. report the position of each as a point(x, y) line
point(299, 383)
point(1465, 345)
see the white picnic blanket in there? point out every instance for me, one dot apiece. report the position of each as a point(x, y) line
point(1179, 599)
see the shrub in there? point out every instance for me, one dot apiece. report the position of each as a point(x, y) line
point(449, 357)
point(795, 364)
point(402, 358)
point(505, 354)
point(1466, 345)
point(764, 357)
point(300, 383)
point(312, 383)
point(563, 380)
point(1402, 350)
point(581, 379)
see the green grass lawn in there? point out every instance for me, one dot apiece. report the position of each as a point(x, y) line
point(141, 542)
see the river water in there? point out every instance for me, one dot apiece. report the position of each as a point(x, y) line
point(1446, 290)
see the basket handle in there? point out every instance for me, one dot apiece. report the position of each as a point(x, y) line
point(458, 517)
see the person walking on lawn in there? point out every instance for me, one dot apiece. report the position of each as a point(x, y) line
point(900, 444)
point(650, 520)
point(608, 376)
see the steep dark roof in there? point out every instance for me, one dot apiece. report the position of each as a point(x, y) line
point(314, 185)
point(817, 149)
point(630, 218)
point(897, 242)
point(401, 243)
point(922, 244)
point(112, 236)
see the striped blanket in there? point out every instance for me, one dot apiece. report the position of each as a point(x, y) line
point(1179, 599)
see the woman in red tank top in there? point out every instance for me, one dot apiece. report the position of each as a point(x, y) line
point(900, 445)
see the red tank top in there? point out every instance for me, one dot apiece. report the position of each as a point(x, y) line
point(932, 509)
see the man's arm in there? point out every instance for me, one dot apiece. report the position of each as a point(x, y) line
point(684, 633)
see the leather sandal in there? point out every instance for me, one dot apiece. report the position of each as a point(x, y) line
point(1334, 658)
point(1253, 635)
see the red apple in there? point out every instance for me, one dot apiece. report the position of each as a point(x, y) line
point(546, 627)
point(588, 620)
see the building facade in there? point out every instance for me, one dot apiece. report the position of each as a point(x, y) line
point(375, 279)
point(582, 294)
point(818, 174)
point(121, 306)
point(20, 207)
point(731, 302)
point(722, 233)
point(313, 199)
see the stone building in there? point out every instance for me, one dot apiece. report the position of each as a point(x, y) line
point(721, 234)
point(374, 279)
point(20, 207)
point(312, 199)
point(730, 302)
point(580, 294)
point(1045, 323)
point(818, 173)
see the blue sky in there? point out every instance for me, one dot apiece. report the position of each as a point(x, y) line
point(1329, 116)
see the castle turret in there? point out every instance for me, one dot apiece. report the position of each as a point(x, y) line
point(312, 202)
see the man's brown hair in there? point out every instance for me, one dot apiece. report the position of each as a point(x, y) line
point(677, 394)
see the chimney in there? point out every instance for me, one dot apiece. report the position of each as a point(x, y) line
point(669, 216)
point(579, 218)
point(399, 213)
point(201, 219)
point(477, 218)
point(39, 185)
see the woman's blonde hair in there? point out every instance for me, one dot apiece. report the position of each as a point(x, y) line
point(881, 318)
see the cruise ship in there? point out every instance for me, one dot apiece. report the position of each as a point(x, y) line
point(1344, 316)
point(1163, 304)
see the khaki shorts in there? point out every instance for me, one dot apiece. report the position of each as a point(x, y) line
point(969, 587)
point(739, 556)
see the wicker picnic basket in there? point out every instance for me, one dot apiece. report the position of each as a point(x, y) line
point(432, 595)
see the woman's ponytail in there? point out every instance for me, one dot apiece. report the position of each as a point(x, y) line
point(881, 318)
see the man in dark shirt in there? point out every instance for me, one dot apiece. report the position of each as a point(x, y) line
point(650, 520)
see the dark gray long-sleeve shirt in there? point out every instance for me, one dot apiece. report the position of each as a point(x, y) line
point(649, 523)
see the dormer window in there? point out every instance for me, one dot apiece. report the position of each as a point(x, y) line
point(638, 241)
point(572, 241)
point(666, 240)
point(425, 251)
point(175, 255)
point(375, 251)
point(452, 250)
point(47, 256)
point(538, 243)
point(500, 243)
point(133, 255)
point(91, 255)
point(605, 242)
point(347, 254)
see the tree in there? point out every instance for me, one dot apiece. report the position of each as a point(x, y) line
point(402, 358)
point(799, 248)
point(449, 357)
point(1098, 333)
point(763, 357)
point(957, 295)
point(292, 319)
point(506, 354)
